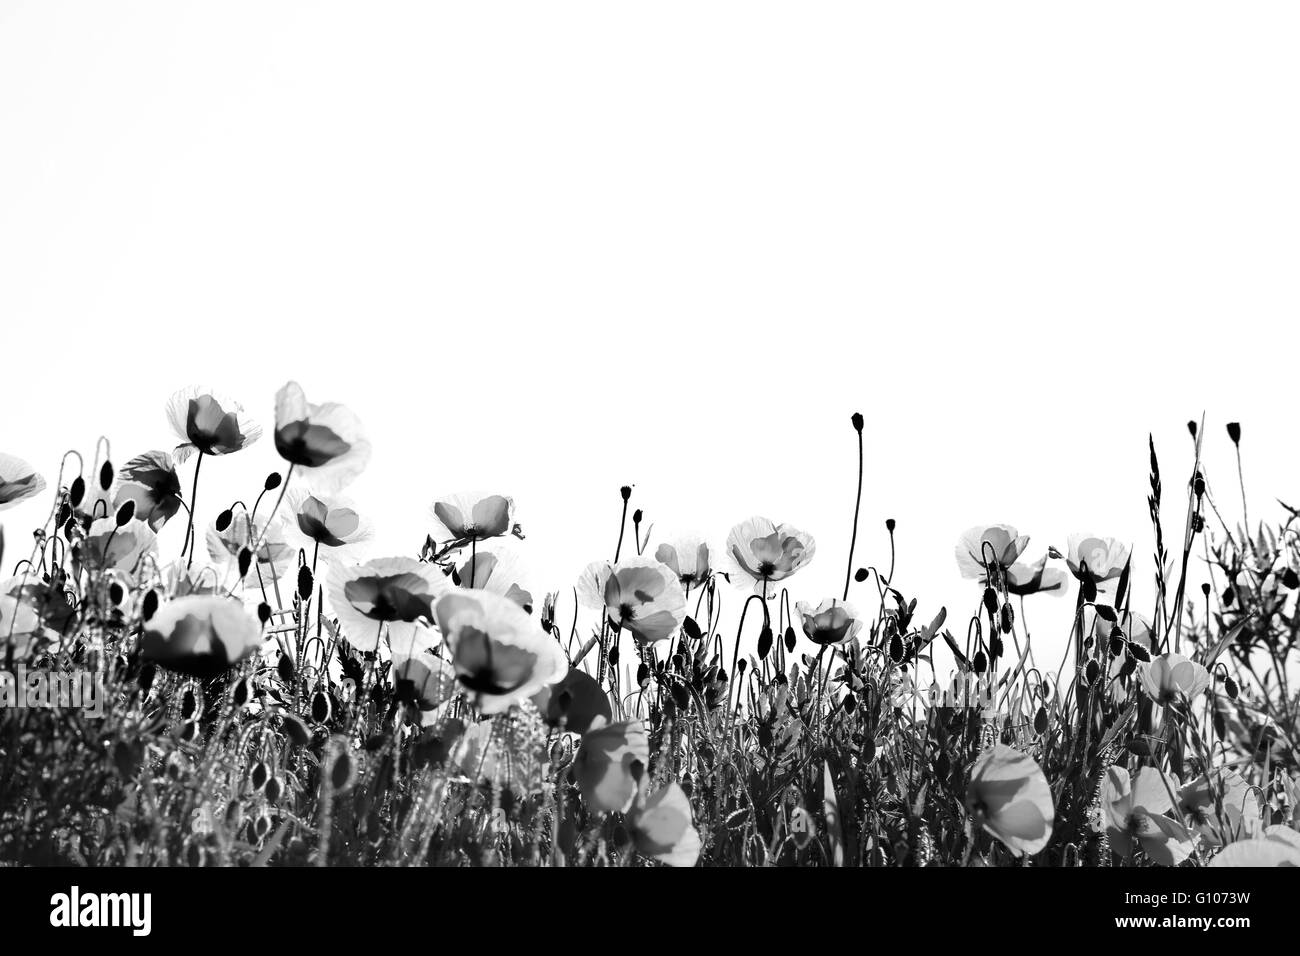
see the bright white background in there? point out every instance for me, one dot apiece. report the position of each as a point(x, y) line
point(551, 248)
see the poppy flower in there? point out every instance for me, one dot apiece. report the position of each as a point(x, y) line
point(200, 635)
point(609, 764)
point(1135, 809)
point(1104, 558)
point(688, 558)
point(327, 440)
point(1008, 796)
point(1037, 578)
point(1172, 677)
point(19, 624)
point(761, 553)
point(429, 679)
point(470, 517)
point(499, 654)
point(150, 480)
point(1279, 846)
point(998, 544)
point(210, 423)
point(663, 829)
point(1221, 807)
point(274, 555)
point(49, 600)
point(324, 525)
point(384, 592)
point(638, 593)
point(108, 546)
point(577, 702)
point(831, 622)
point(18, 481)
point(497, 571)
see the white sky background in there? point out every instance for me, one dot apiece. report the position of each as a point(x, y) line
point(549, 249)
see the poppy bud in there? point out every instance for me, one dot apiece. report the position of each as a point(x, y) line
point(77, 491)
point(258, 776)
point(860, 575)
point(789, 639)
point(146, 677)
point(681, 696)
point(991, 601)
point(274, 790)
point(284, 667)
point(305, 582)
point(740, 666)
point(272, 481)
point(995, 647)
point(295, 730)
point(243, 691)
point(1040, 721)
point(1234, 432)
point(150, 604)
point(189, 731)
point(980, 663)
point(1139, 653)
point(642, 675)
point(1191, 427)
point(320, 707)
point(1091, 673)
point(764, 642)
point(1291, 579)
point(264, 612)
point(1230, 686)
point(245, 561)
point(1229, 595)
point(125, 513)
point(115, 593)
point(691, 629)
point(1008, 618)
point(857, 421)
point(1116, 641)
point(850, 704)
point(613, 655)
point(1198, 485)
point(890, 525)
point(636, 516)
point(106, 475)
point(224, 519)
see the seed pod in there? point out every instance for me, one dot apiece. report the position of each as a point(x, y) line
point(1234, 432)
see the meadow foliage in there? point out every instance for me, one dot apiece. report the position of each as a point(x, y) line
point(275, 695)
